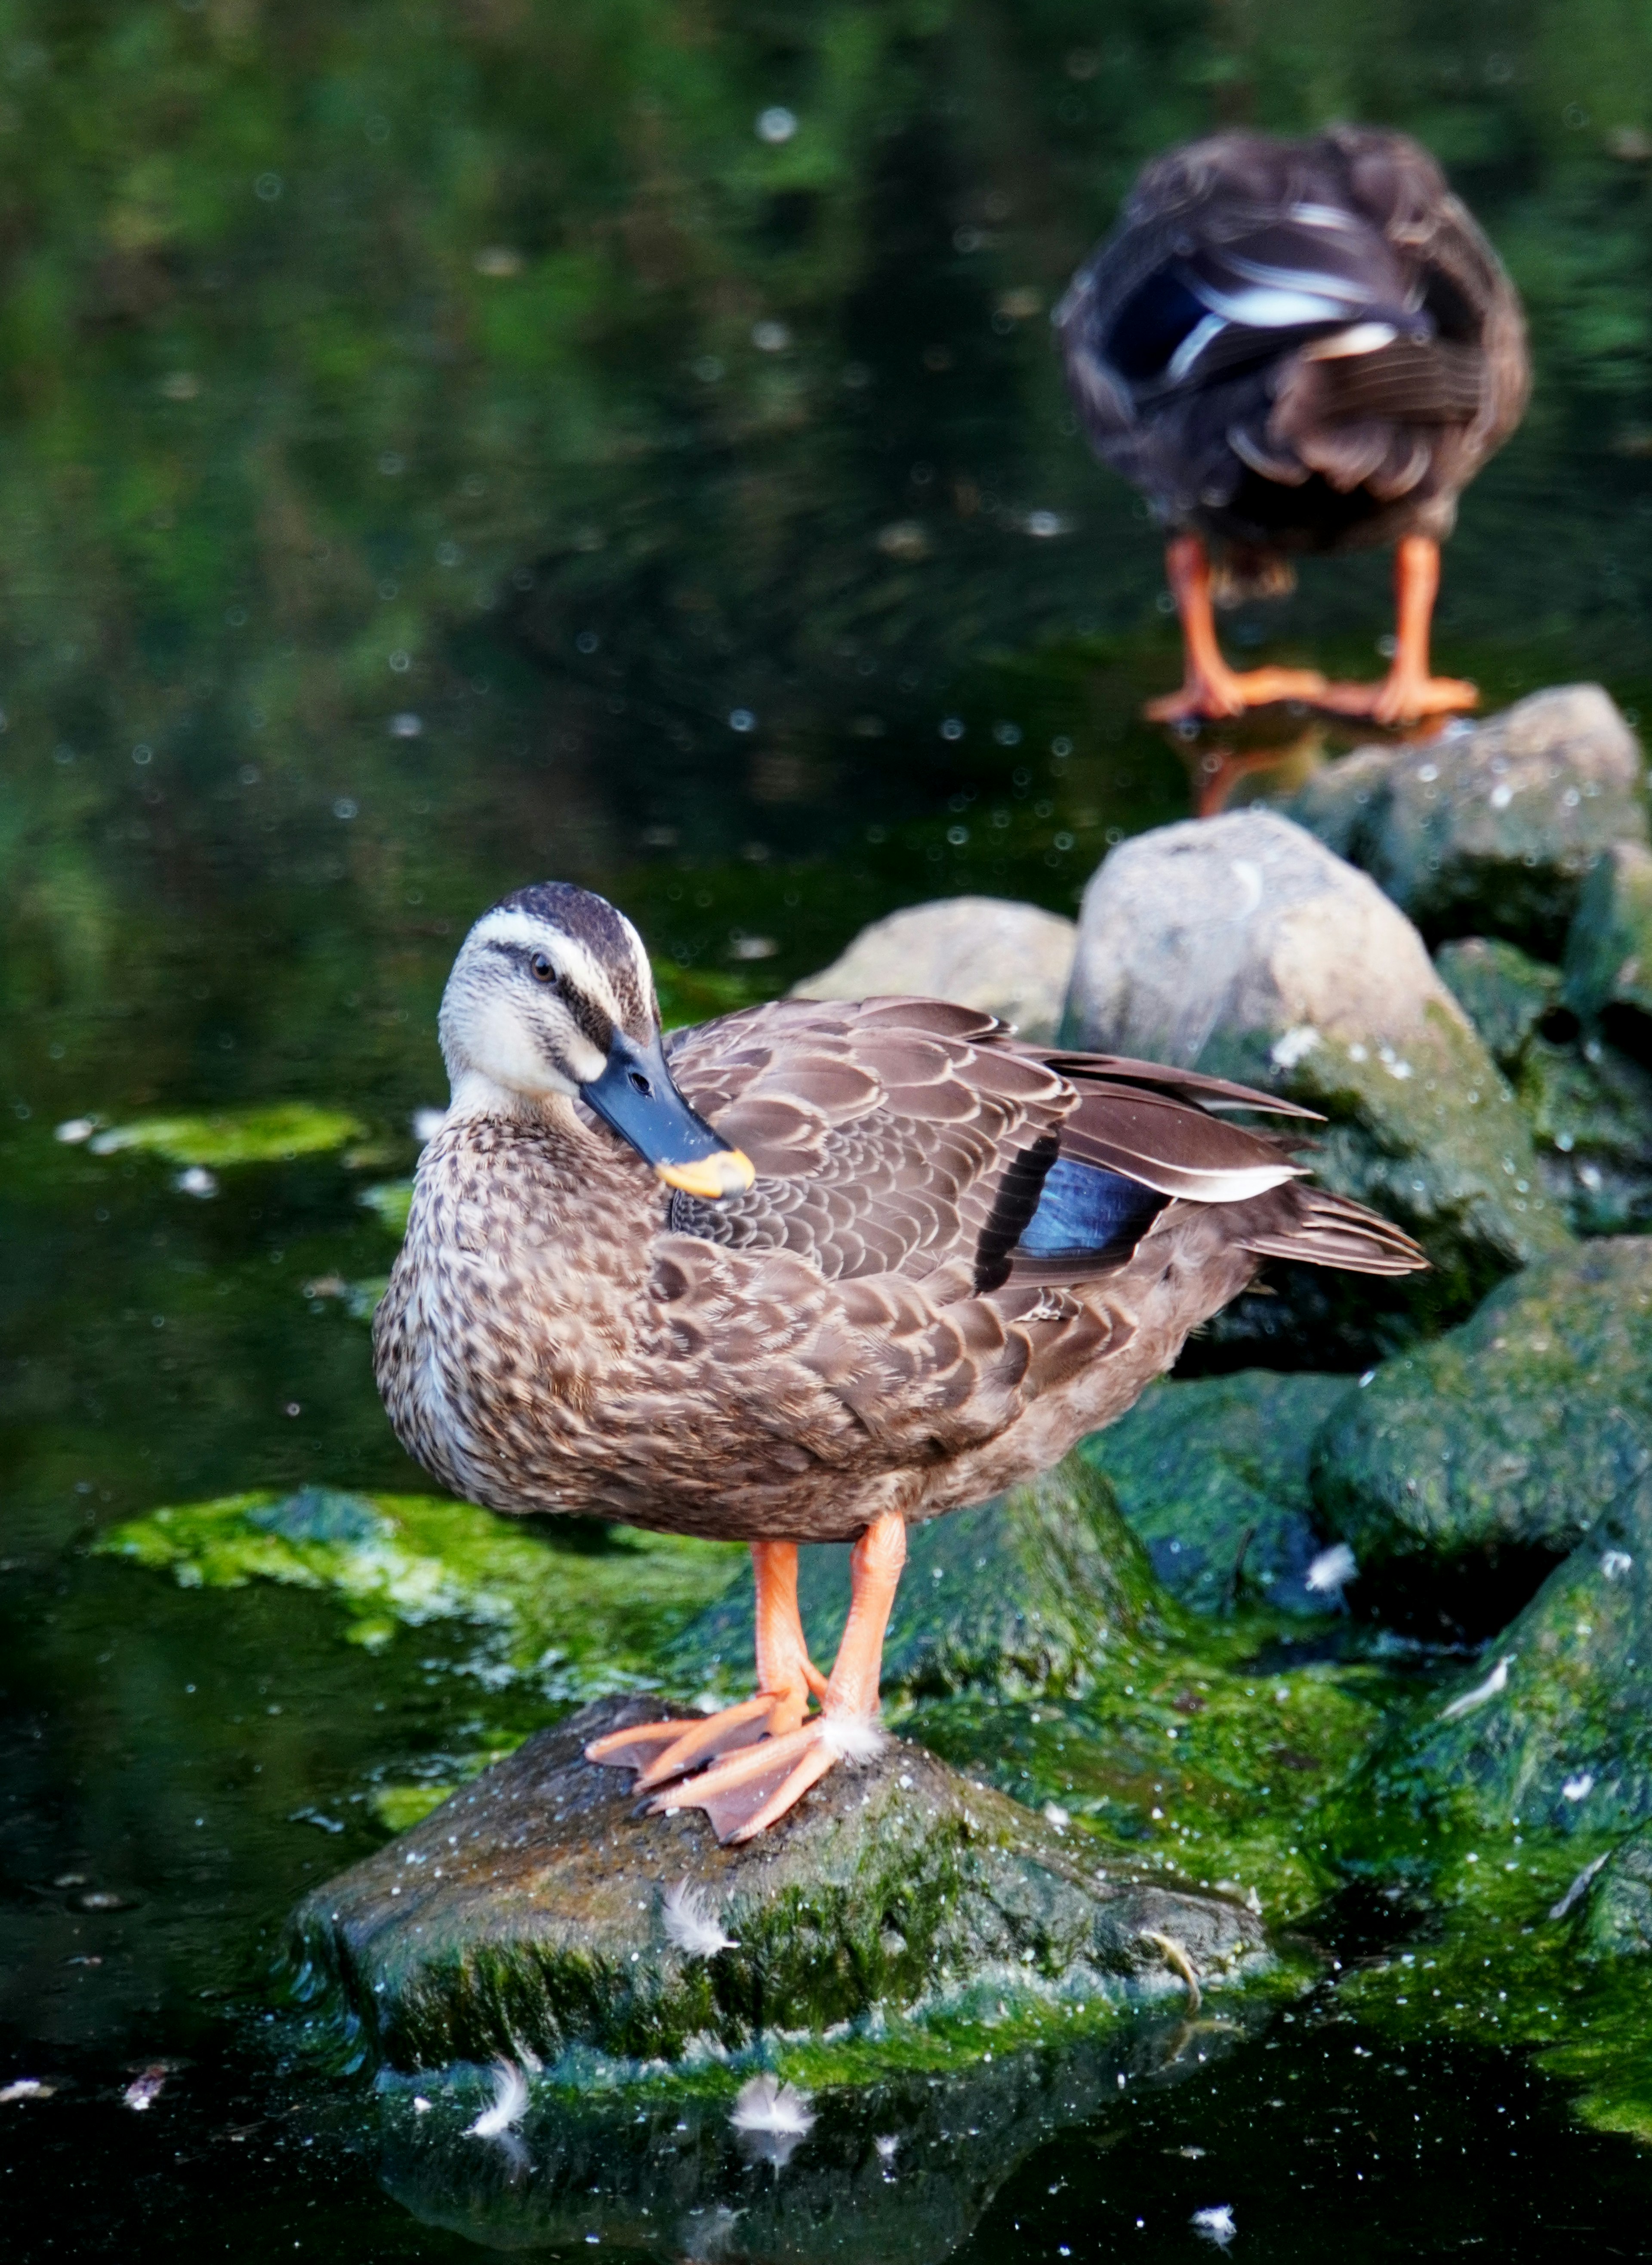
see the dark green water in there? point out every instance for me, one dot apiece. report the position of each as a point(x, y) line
point(444, 446)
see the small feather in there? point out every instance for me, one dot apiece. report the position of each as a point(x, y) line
point(690, 1925)
point(509, 2104)
point(1332, 1570)
point(1495, 1682)
point(1559, 1910)
point(145, 2087)
point(853, 1739)
point(1216, 2224)
point(766, 2107)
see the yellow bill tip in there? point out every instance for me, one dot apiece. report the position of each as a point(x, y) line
point(727, 1173)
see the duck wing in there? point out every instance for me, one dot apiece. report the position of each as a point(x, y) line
point(913, 1138)
point(1284, 313)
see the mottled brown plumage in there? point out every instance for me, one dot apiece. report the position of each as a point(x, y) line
point(878, 1329)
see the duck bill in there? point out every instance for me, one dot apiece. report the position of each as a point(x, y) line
point(635, 1096)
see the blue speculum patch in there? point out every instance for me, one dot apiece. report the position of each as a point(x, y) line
point(1085, 1209)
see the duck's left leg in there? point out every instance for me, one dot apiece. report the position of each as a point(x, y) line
point(786, 1675)
point(1408, 692)
point(754, 1788)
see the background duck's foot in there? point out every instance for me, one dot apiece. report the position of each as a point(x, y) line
point(1208, 694)
point(661, 1750)
point(1399, 697)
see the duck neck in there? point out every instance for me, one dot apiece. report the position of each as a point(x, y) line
point(476, 1094)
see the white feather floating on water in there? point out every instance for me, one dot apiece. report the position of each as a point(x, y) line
point(1216, 2224)
point(853, 1739)
point(145, 2087)
point(888, 2147)
point(772, 2118)
point(509, 2104)
point(690, 1924)
point(766, 2104)
point(1497, 1681)
point(1616, 1563)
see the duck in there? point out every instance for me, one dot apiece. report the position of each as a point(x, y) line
point(812, 1272)
point(1294, 347)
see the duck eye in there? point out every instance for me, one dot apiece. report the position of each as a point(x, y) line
point(542, 970)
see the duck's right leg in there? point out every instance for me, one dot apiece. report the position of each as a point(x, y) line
point(786, 1675)
point(1210, 687)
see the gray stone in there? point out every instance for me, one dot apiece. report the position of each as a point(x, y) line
point(1608, 960)
point(1034, 1593)
point(1551, 1728)
point(526, 1915)
point(1491, 827)
point(1463, 1463)
point(1213, 1477)
point(1242, 945)
point(1005, 959)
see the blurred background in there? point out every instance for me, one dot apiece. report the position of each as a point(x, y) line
point(443, 447)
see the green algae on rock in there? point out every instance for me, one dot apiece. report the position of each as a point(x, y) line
point(1504, 992)
point(1503, 1441)
point(537, 1913)
point(1212, 1476)
point(565, 1621)
point(1040, 1589)
point(1607, 967)
point(273, 1135)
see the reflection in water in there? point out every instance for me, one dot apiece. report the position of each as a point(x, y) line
point(896, 2173)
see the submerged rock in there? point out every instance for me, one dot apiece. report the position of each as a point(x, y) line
point(1212, 1476)
point(1242, 946)
point(1464, 1464)
point(527, 1916)
point(1552, 1728)
point(1005, 959)
point(1037, 1591)
point(1492, 827)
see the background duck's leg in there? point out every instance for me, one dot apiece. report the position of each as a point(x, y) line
point(1210, 687)
point(752, 1790)
point(785, 1676)
point(1407, 691)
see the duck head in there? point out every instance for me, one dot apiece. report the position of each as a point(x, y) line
point(550, 1000)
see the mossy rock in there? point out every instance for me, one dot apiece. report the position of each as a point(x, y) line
point(1213, 1476)
point(1462, 1467)
point(1608, 961)
point(1032, 1591)
point(1504, 992)
point(1551, 1729)
point(1617, 1920)
point(526, 1915)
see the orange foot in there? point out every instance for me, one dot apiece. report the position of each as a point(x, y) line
point(1209, 694)
point(767, 1753)
point(1402, 697)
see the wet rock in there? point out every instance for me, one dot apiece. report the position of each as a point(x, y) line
point(1037, 1591)
point(880, 2177)
point(1242, 945)
point(1212, 1476)
point(526, 1915)
point(1551, 1728)
point(1608, 959)
point(1617, 1920)
point(1462, 1466)
point(1005, 959)
point(1491, 828)
point(1505, 994)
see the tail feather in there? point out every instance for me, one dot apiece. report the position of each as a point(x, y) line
point(1319, 1228)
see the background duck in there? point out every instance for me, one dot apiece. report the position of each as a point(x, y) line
point(911, 1265)
point(1297, 347)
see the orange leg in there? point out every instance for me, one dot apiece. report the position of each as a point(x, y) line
point(785, 1676)
point(1408, 692)
point(1210, 687)
point(755, 1785)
